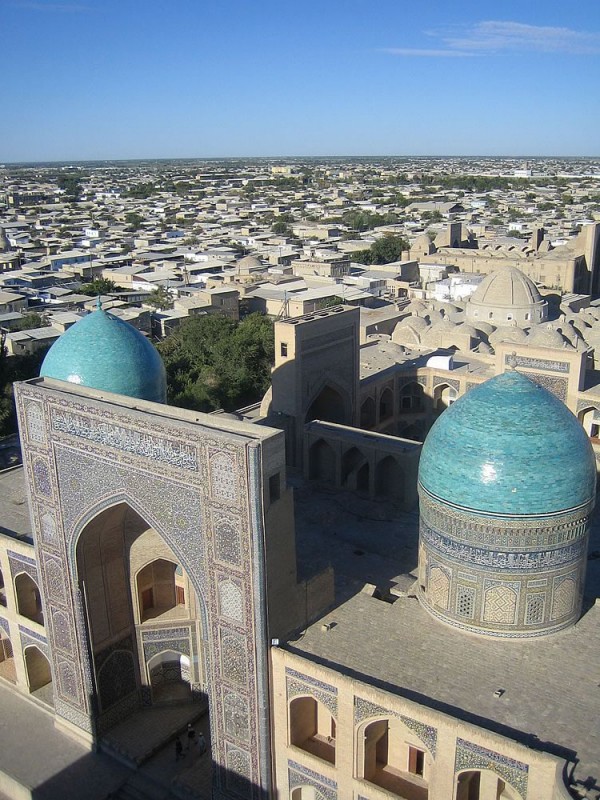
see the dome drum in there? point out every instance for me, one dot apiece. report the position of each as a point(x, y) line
point(516, 578)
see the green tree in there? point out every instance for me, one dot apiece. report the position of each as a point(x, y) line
point(134, 220)
point(213, 362)
point(384, 251)
point(30, 321)
point(160, 298)
point(98, 286)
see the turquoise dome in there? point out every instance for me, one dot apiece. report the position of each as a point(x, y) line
point(509, 447)
point(103, 352)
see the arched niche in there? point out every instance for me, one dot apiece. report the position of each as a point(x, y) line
point(355, 470)
point(390, 756)
point(7, 659)
point(118, 557)
point(389, 479)
point(39, 675)
point(328, 406)
point(312, 728)
point(411, 398)
point(590, 420)
point(2, 590)
point(483, 785)
point(443, 396)
point(169, 676)
point(367, 414)
point(321, 462)
point(29, 601)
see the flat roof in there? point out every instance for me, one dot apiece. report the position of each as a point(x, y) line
point(551, 699)
point(14, 510)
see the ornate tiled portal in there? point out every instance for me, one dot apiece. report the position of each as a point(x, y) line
point(200, 488)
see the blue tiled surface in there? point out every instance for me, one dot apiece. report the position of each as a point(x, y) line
point(509, 446)
point(104, 352)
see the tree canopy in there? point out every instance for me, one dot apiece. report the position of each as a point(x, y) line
point(14, 368)
point(384, 251)
point(213, 362)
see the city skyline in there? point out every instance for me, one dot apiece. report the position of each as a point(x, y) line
point(93, 80)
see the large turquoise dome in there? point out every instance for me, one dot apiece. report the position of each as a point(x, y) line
point(509, 447)
point(103, 352)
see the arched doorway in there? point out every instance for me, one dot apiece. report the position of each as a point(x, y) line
point(590, 420)
point(411, 398)
point(328, 406)
point(391, 761)
point(312, 728)
point(29, 601)
point(479, 784)
point(169, 675)
point(321, 462)
point(355, 470)
point(305, 793)
point(7, 659)
point(2, 590)
point(131, 585)
point(443, 396)
point(367, 414)
point(389, 479)
point(39, 676)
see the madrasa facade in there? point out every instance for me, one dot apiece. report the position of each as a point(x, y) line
point(270, 564)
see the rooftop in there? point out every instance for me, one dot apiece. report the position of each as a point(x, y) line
point(399, 647)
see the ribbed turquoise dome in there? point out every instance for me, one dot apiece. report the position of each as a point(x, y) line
point(508, 447)
point(103, 352)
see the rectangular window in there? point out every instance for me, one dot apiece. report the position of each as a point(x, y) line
point(283, 349)
point(416, 761)
point(180, 595)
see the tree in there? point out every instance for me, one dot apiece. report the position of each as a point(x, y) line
point(30, 321)
point(213, 362)
point(385, 250)
point(134, 220)
point(160, 298)
point(281, 227)
point(98, 286)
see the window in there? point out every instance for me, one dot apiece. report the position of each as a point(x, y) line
point(283, 349)
point(465, 598)
point(416, 761)
point(535, 609)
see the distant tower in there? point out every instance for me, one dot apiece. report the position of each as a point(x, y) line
point(507, 484)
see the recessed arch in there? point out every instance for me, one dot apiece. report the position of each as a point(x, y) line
point(477, 784)
point(321, 462)
point(39, 675)
point(389, 479)
point(392, 757)
point(329, 406)
point(411, 398)
point(312, 727)
point(2, 590)
point(29, 599)
point(367, 414)
point(590, 420)
point(7, 659)
point(169, 674)
point(355, 470)
point(443, 396)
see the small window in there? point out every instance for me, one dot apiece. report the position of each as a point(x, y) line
point(274, 488)
point(284, 349)
point(416, 761)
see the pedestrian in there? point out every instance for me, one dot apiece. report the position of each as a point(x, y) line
point(191, 735)
point(178, 749)
point(201, 743)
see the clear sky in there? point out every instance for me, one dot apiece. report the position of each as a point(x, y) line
point(95, 79)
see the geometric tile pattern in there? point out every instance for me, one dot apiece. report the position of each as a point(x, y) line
point(106, 454)
point(299, 775)
point(363, 709)
point(472, 756)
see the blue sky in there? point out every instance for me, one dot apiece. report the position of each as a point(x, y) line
point(87, 79)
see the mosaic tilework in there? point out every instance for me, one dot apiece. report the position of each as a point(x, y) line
point(20, 563)
point(515, 360)
point(36, 428)
point(299, 775)
point(156, 448)
point(107, 455)
point(363, 709)
point(29, 637)
point(473, 756)
point(298, 684)
point(439, 381)
point(558, 386)
point(5, 626)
